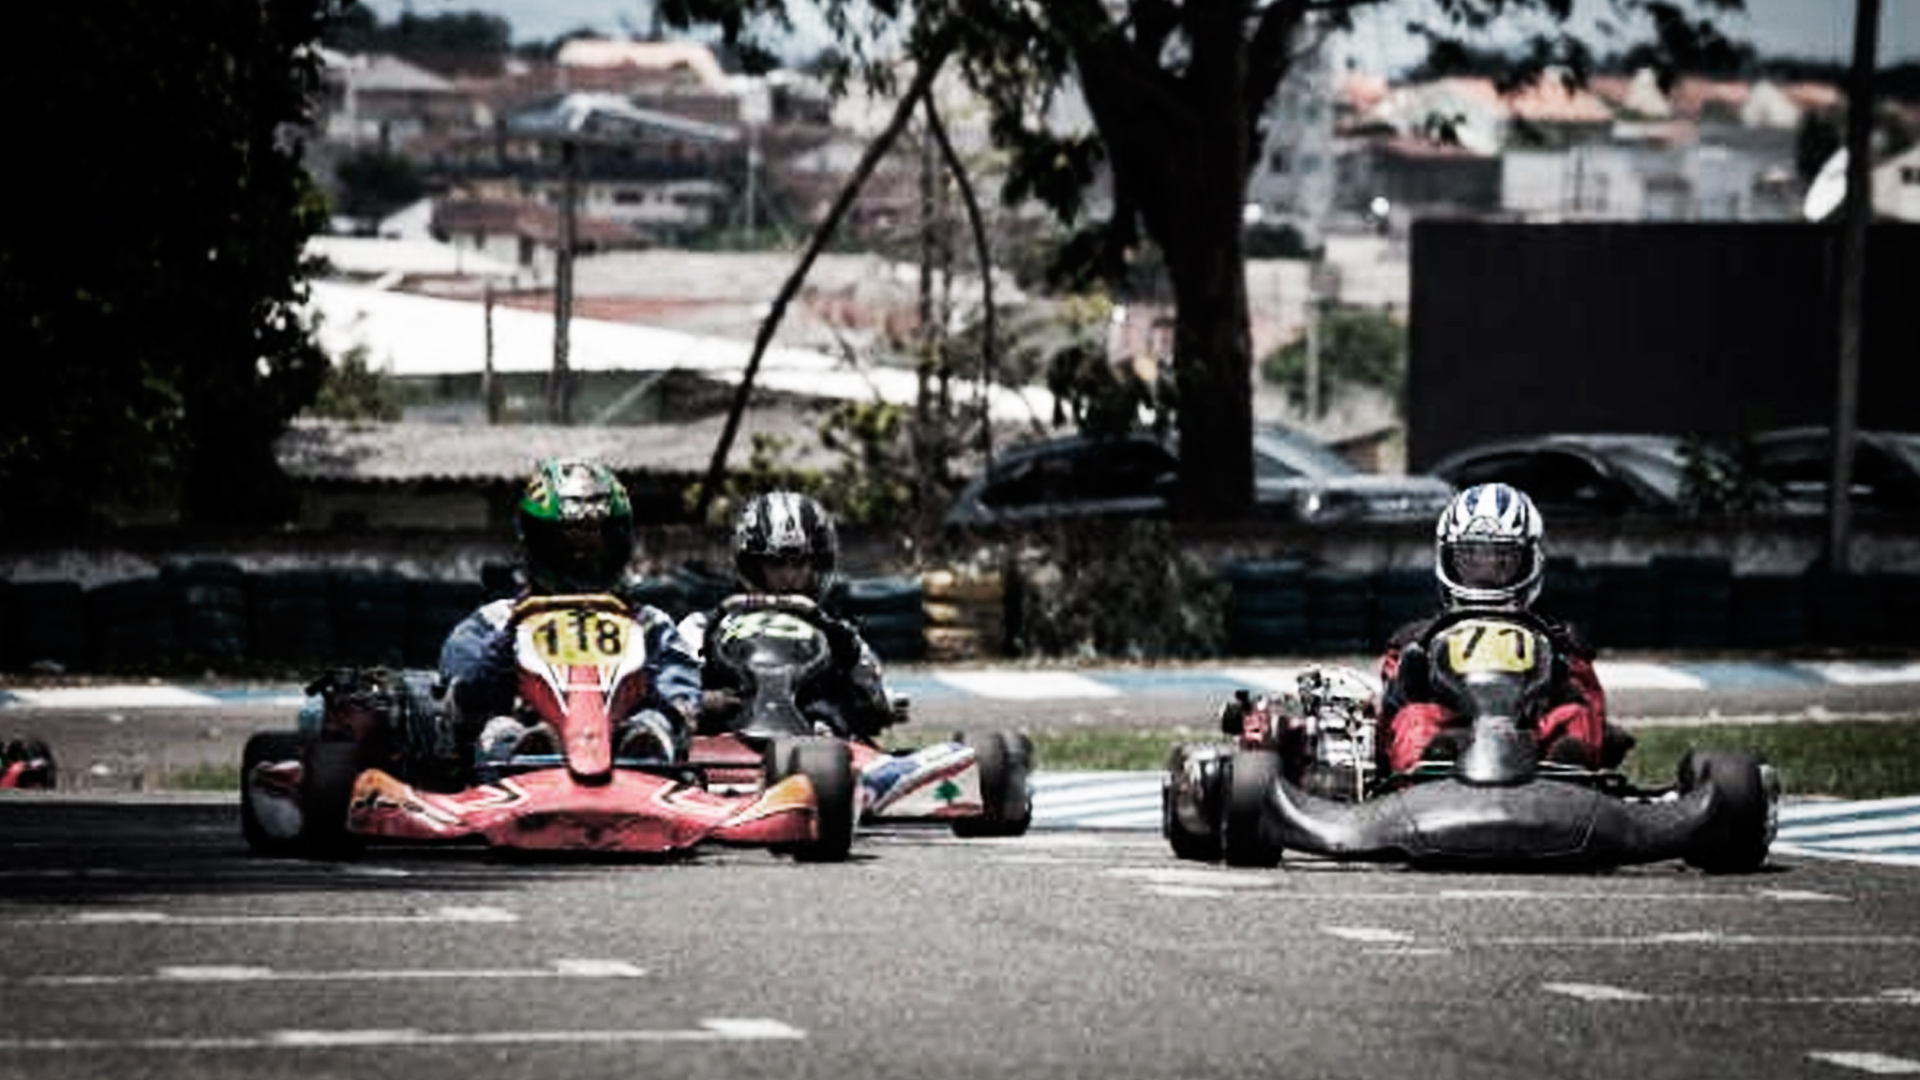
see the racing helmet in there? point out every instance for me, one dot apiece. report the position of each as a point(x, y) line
point(785, 526)
point(575, 526)
point(1487, 548)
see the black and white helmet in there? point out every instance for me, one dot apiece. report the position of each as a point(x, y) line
point(785, 526)
point(1487, 548)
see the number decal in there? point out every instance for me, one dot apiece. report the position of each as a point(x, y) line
point(579, 637)
point(1486, 645)
point(772, 624)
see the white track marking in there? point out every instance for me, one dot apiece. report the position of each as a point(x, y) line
point(710, 1031)
point(236, 973)
point(1899, 997)
point(1026, 685)
point(1710, 938)
point(1846, 673)
point(143, 918)
point(1635, 675)
point(112, 697)
point(1878, 1064)
point(1370, 935)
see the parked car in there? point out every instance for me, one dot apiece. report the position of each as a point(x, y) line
point(1578, 475)
point(1075, 477)
point(1798, 462)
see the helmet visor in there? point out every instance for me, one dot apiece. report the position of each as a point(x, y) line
point(1478, 564)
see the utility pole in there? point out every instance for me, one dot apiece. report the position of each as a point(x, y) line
point(1853, 244)
point(560, 383)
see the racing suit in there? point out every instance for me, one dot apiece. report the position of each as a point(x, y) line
point(850, 698)
point(479, 670)
point(1573, 730)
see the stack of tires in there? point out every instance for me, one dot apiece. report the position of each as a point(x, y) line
point(965, 615)
point(1629, 607)
point(293, 617)
point(434, 607)
point(890, 613)
point(132, 624)
point(1401, 597)
point(1339, 611)
point(47, 624)
point(1267, 608)
point(1699, 599)
point(210, 611)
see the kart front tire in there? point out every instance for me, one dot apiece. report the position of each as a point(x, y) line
point(1249, 781)
point(328, 770)
point(1205, 798)
point(828, 766)
point(1006, 793)
point(268, 836)
point(1736, 837)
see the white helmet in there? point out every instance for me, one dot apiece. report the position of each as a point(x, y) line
point(1487, 550)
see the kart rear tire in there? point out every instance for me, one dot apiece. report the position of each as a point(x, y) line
point(328, 770)
point(1248, 783)
point(265, 837)
point(1736, 837)
point(1006, 790)
point(1187, 844)
point(828, 766)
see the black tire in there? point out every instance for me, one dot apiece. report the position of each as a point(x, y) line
point(828, 766)
point(328, 770)
point(778, 759)
point(1006, 789)
point(1736, 838)
point(1187, 844)
point(267, 837)
point(1248, 787)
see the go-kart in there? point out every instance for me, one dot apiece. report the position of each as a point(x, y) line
point(355, 777)
point(1300, 773)
point(775, 649)
point(26, 764)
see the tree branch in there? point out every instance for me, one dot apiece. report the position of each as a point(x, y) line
point(933, 59)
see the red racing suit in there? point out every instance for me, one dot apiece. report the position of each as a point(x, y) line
point(1573, 730)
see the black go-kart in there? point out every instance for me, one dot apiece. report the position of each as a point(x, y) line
point(1301, 773)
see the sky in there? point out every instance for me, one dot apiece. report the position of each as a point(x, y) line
point(1808, 29)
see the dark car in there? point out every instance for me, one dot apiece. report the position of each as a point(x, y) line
point(1295, 479)
point(1798, 462)
point(1578, 475)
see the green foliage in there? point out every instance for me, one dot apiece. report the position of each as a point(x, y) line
point(1127, 591)
point(1849, 759)
point(872, 484)
point(1357, 345)
point(354, 391)
point(375, 183)
point(1722, 477)
point(149, 303)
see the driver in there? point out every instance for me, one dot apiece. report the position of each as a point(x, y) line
point(784, 543)
point(574, 524)
point(1488, 557)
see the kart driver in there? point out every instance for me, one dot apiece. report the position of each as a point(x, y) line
point(574, 524)
point(1488, 556)
point(784, 543)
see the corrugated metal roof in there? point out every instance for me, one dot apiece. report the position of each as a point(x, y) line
point(412, 336)
point(361, 452)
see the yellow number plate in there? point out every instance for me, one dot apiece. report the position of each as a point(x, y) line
point(578, 637)
point(1483, 646)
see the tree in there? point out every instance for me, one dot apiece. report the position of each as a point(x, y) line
point(150, 286)
point(1177, 90)
point(1357, 345)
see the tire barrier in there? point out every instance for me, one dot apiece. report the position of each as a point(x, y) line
point(210, 611)
point(890, 613)
point(1267, 608)
point(966, 615)
point(213, 615)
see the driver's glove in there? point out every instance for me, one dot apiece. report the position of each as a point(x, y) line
point(1415, 673)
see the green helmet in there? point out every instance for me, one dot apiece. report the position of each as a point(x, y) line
point(575, 526)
